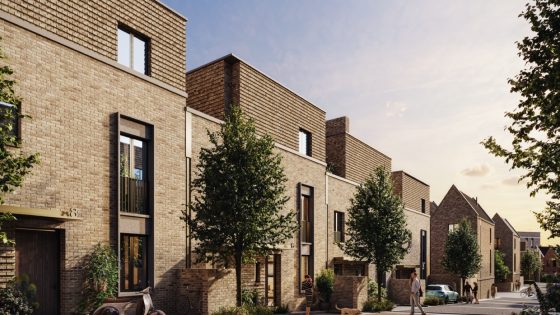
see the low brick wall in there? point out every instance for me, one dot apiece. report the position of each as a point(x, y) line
point(208, 289)
point(399, 290)
point(350, 291)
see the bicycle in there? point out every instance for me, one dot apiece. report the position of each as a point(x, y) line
point(526, 292)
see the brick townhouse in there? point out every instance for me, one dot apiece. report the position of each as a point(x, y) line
point(531, 241)
point(454, 207)
point(104, 83)
point(508, 242)
point(321, 197)
point(550, 261)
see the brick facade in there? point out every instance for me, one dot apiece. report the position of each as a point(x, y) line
point(508, 242)
point(93, 25)
point(453, 208)
point(348, 156)
point(74, 130)
point(412, 191)
point(276, 110)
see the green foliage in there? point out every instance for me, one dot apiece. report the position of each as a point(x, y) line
point(325, 283)
point(548, 278)
point(245, 310)
point(377, 228)
point(14, 164)
point(282, 309)
point(102, 274)
point(14, 302)
point(432, 300)
point(24, 285)
point(501, 270)
point(552, 297)
point(372, 290)
point(543, 302)
point(374, 305)
point(250, 297)
point(530, 263)
point(461, 255)
point(535, 125)
point(239, 196)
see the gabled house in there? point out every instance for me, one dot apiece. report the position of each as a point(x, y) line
point(550, 260)
point(454, 207)
point(508, 242)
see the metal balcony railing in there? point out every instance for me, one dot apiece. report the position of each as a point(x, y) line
point(305, 231)
point(134, 196)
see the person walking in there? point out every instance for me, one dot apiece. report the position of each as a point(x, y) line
point(415, 290)
point(307, 286)
point(475, 293)
point(467, 291)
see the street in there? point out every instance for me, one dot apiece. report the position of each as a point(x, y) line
point(504, 304)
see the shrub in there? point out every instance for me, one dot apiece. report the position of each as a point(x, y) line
point(245, 310)
point(543, 302)
point(102, 276)
point(250, 297)
point(372, 290)
point(372, 305)
point(552, 297)
point(282, 309)
point(23, 285)
point(432, 300)
point(325, 284)
point(13, 301)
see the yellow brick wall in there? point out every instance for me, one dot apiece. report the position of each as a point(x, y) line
point(93, 24)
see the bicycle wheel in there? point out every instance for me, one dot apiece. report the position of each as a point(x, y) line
point(523, 293)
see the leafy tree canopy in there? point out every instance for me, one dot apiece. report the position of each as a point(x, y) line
point(530, 263)
point(461, 255)
point(501, 269)
point(239, 196)
point(535, 126)
point(377, 228)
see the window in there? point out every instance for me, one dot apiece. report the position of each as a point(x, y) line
point(9, 122)
point(423, 202)
point(491, 261)
point(134, 175)
point(453, 227)
point(339, 223)
point(522, 246)
point(306, 231)
point(514, 244)
point(257, 272)
point(490, 235)
point(498, 243)
point(304, 142)
point(306, 219)
point(423, 254)
point(132, 50)
point(134, 262)
point(514, 262)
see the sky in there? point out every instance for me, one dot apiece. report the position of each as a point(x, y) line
point(422, 81)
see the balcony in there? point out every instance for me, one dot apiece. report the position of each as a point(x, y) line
point(134, 196)
point(305, 229)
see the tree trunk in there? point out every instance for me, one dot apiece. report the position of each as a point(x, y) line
point(462, 286)
point(238, 262)
point(379, 285)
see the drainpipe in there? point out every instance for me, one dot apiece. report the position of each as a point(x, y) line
point(327, 226)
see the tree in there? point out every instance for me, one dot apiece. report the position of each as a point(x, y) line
point(240, 194)
point(530, 263)
point(461, 255)
point(501, 270)
point(14, 165)
point(377, 228)
point(536, 121)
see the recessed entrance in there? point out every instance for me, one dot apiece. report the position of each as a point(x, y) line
point(37, 255)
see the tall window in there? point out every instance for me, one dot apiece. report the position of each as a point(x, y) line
point(134, 175)
point(9, 121)
point(134, 262)
point(491, 261)
point(132, 50)
point(490, 235)
point(304, 142)
point(339, 223)
point(514, 262)
point(306, 227)
point(453, 227)
point(423, 205)
point(423, 254)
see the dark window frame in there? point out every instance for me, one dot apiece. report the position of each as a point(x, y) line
point(147, 259)
point(339, 216)
point(423, 205)
point(308, 142)
point(147, 52)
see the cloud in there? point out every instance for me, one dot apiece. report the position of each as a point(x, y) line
point(477, 171)
point(511, 181)
point(395, 109)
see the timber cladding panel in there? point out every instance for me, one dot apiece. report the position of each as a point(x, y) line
point(93, 24)
point(280, 112)
point(73, 130)
point(412, 191)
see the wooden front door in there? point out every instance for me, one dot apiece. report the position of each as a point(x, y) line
point(37, 255)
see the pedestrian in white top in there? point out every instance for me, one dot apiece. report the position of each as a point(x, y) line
point(415, 289)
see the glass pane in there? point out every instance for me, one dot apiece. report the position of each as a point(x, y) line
point(134, 267)
point(302, 142)
point(304, 267)
point(123, 48)
point(139, 58)
point(133, 172)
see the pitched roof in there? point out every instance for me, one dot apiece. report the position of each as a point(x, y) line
point(506, 222)
point(477, 207)
point(544, 249)
point(433, 206)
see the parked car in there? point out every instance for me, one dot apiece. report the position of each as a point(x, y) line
point(442, 291)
